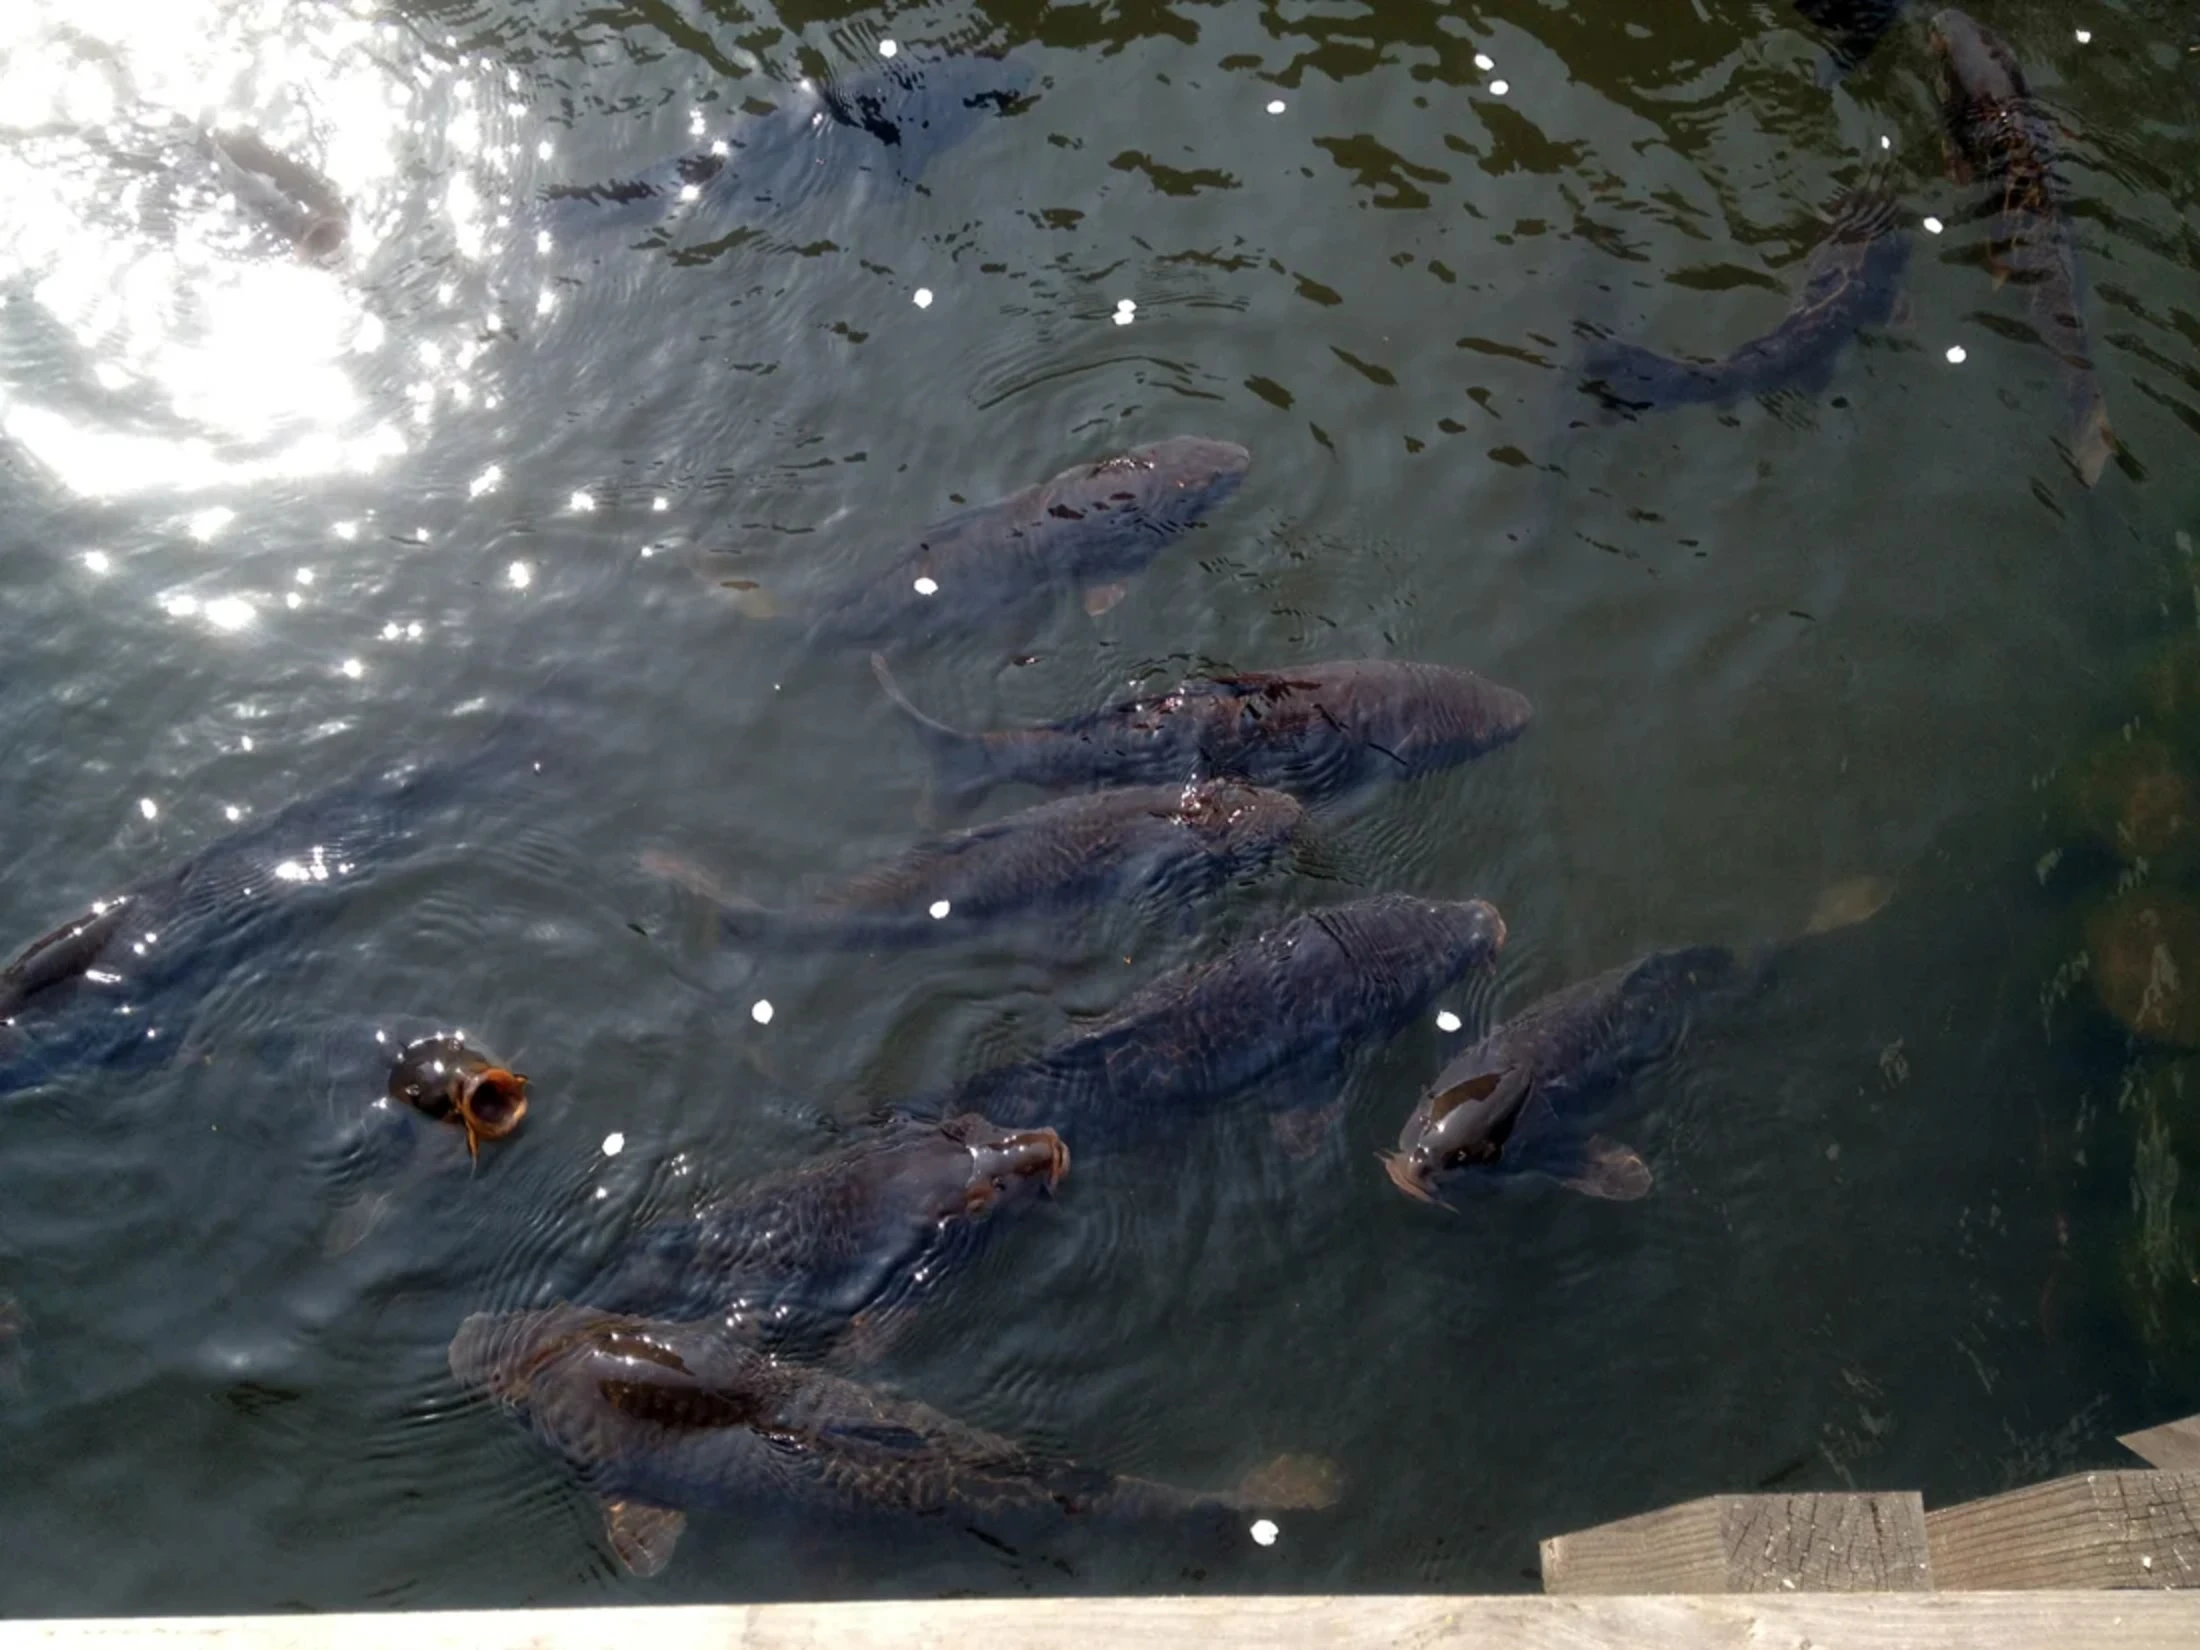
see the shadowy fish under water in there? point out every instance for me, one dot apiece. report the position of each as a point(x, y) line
point(1996, 131)
point(1174, 842)
point(93, 988)
point(1313, 731)
point(1282, 1010)
point(1089, 529)
point(297, 202)
point(890, 124)
point(1855, 28)
point(1519, 1100)
point(660, 1418)
point(847, 1243)
point(293, 199)
point(1852, 280)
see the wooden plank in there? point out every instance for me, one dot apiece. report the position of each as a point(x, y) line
point(1777, 1621)
point(2174, 1447)
point(1750, 1544)
point(2098, 1529)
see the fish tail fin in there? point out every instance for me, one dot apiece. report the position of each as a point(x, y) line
point(1290, 1483)
point(1849, 903)
point(963, 770)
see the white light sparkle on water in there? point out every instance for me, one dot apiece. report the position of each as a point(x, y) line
point(228, 613)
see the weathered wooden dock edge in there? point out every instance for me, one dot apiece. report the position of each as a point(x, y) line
point(1798, 1621)
point(2115, 1529)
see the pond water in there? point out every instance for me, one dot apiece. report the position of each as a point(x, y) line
point(1923, 1215)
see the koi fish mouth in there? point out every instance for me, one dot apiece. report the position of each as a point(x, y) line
point(490, 1105)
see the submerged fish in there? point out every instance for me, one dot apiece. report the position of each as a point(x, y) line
point(659, 1418)
point(1856, 26)
point(1520, 1099)
point(292, 198)
point(88, 989)
point(1313, 731)
point(1852, 280)
point(1997, 132)
point(1174, 841)
point(1286, 1005)
point(1089, 529)
point(889, 124)
point(848, 1242)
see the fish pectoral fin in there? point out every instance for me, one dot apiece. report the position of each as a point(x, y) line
point(1848, 902)
point(643, 1536)
point(2094, 446)
point(685, 873)
point(1100, 597)
point(750, 599)
point(1304, 1131)
point(872, 1333)
point(351, 1224)
point(1608, 1170)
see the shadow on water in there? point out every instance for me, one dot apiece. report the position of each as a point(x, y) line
point(1921, 1215)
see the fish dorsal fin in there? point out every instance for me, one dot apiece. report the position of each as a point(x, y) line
point(682, 1405)
point(1444, 1102)
point(879, 1435)
point(642, 1536)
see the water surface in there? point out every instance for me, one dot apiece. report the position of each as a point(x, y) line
point(1919, 1219)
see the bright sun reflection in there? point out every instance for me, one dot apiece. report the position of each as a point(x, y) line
point(235, 361)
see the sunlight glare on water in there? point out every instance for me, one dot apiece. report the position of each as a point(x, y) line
point(253, 361)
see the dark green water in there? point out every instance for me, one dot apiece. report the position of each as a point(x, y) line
point(1919, 1219)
